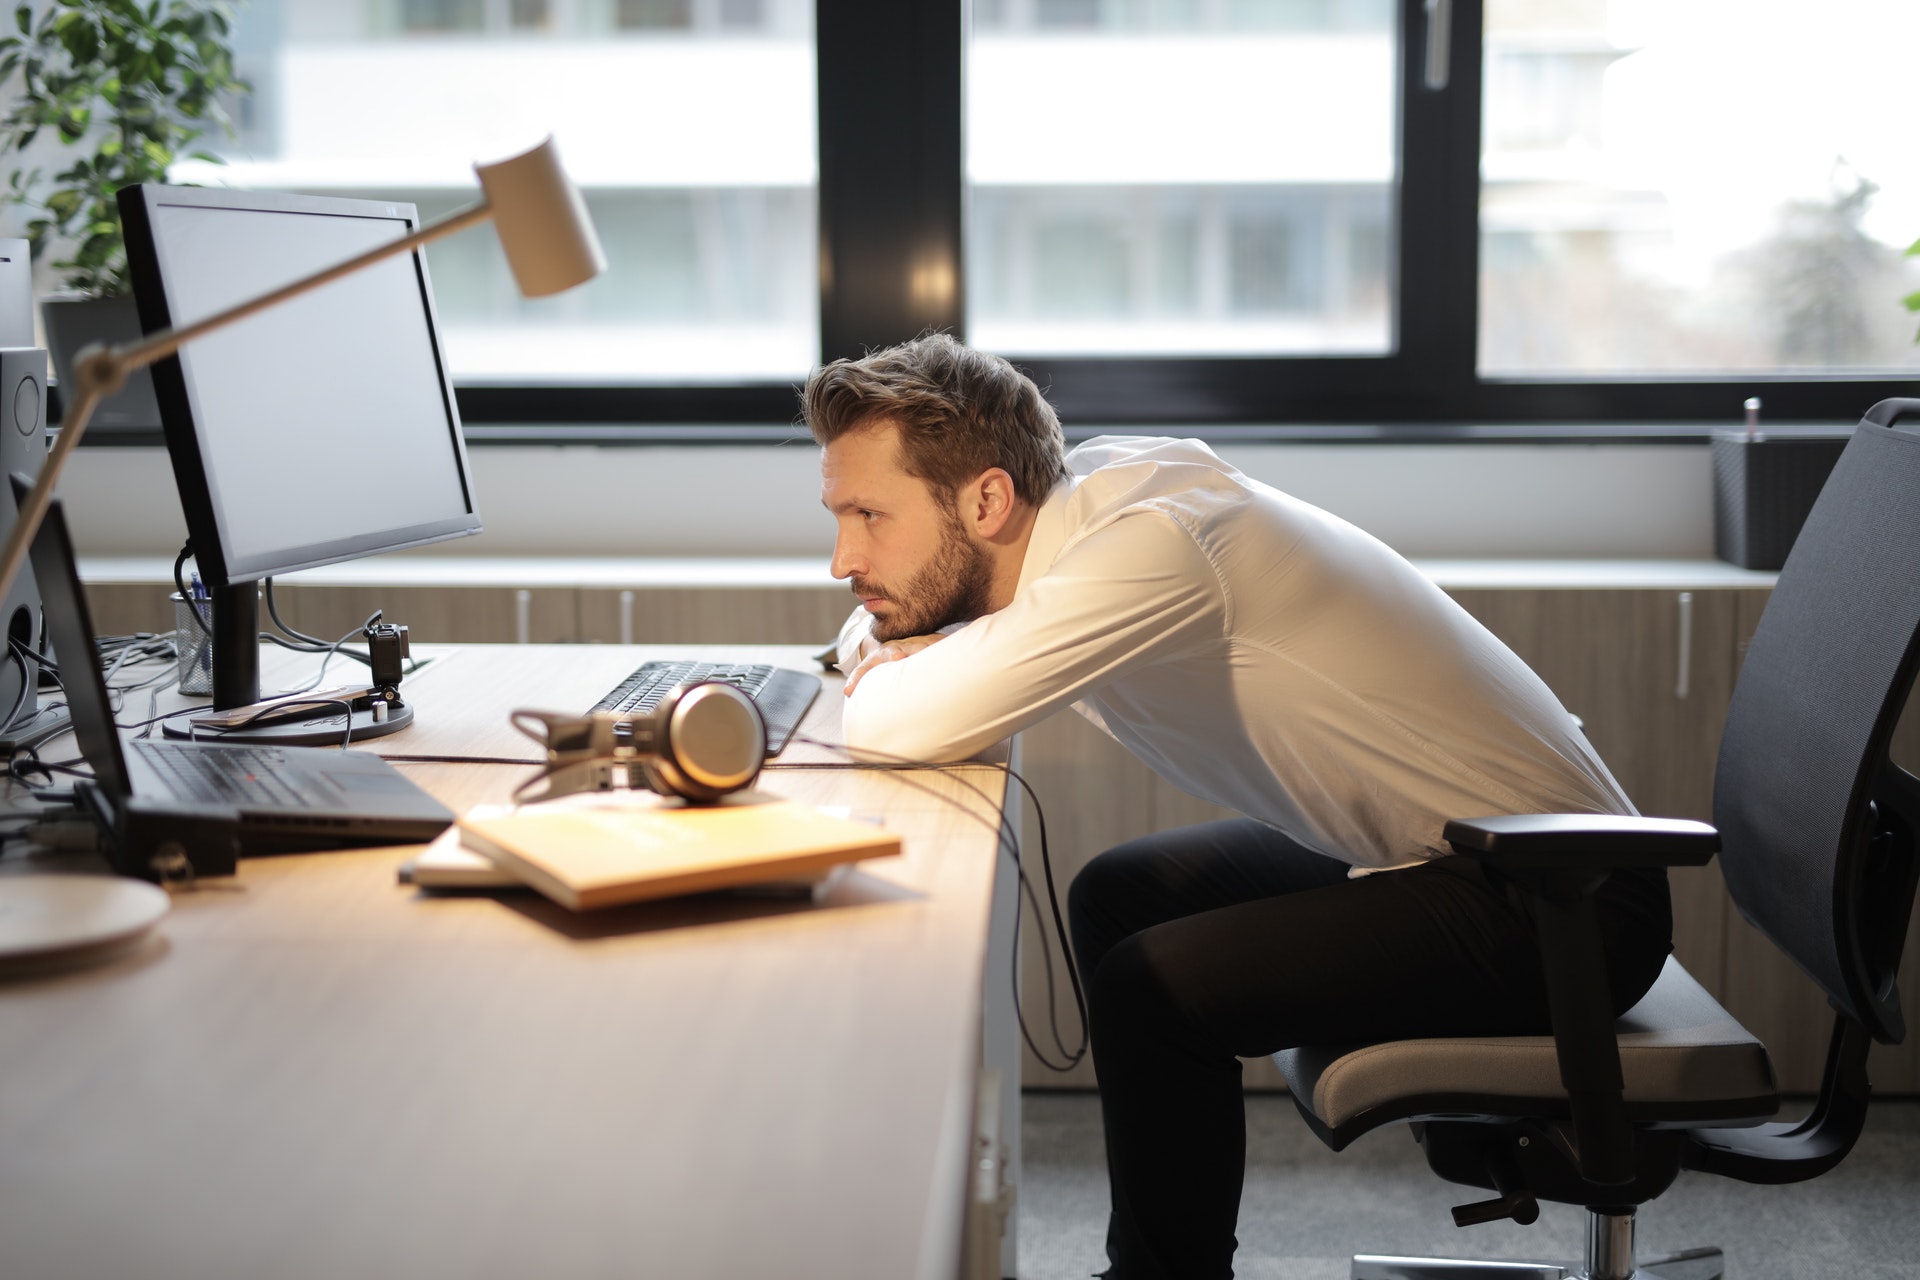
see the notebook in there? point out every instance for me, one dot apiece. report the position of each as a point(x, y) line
point(448, 864)
point(599, 853)
point(286, 798)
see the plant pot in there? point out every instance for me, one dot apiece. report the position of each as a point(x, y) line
point(73, 324)
point(1764, 486)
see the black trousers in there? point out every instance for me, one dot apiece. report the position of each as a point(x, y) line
point(1207, 944)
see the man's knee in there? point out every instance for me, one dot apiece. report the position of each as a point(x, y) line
point(1097, 909)
point(1128, 994)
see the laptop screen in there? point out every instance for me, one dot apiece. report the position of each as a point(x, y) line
point(71, 630)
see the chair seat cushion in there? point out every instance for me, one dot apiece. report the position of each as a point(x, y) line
point(1684, 1058)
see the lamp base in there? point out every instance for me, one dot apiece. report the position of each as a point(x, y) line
point(54, 922)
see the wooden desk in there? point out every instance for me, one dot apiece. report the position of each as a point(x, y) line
point(317, 1072)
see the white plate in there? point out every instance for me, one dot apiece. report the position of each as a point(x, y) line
point(48, 919)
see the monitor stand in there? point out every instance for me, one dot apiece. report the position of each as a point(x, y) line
point(236, 683)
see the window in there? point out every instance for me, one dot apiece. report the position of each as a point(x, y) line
point(1697, 188)
point(1156, 178)
point(1232, 216)
point(687, 123)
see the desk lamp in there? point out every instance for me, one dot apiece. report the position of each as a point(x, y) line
point(543, 227)
point(550, 246)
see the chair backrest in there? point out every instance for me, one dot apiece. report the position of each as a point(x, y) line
point(1816, 824)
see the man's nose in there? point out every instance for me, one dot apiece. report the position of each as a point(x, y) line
point(846, 561)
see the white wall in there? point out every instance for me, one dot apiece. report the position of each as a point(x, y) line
point(1424, 500)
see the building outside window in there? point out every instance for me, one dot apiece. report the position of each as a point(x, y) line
point(689, 125)
point(1697, 187)
point(1181, 176)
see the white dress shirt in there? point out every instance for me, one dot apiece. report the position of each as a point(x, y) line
point(1253, 650)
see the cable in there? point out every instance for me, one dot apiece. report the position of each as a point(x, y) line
point(463, 760)
point(26, 679)
point(273, 612)
point(1009, 841)
point(192, 602)
point(39, 659)
point(298, 641)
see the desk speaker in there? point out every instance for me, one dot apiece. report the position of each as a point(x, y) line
point(23, 447)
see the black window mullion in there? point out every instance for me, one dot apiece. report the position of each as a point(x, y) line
point(1439, 229)
point(891, 171)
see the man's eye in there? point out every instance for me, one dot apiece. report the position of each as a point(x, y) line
point(869, 516)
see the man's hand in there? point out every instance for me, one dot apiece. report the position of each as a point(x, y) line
point(891, 651)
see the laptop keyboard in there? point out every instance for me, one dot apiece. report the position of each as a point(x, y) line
point(783, 696)
point(230, 775)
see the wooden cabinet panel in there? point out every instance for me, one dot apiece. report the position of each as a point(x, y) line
point(124, 608)
point(1615, 659)
point(717, 615)
point(472, 615)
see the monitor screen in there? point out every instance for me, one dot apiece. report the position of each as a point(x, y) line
point(323, 428)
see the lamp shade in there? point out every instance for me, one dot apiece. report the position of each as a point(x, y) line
point(541, 221)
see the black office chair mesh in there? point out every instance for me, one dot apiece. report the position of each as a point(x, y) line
point(1816, 835)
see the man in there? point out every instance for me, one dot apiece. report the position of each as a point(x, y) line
point(1256, 652)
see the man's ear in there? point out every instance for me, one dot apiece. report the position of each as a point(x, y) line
point(990, 501)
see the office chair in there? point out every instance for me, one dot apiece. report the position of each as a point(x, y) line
point(1815, 828)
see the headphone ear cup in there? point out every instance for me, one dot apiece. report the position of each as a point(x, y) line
point(710, 740)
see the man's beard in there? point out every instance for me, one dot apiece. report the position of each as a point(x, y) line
point(954, 586)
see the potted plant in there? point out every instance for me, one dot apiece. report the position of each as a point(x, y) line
point(126, 87)
point(1913, 299)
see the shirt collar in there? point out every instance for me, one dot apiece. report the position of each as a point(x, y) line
point(1049, 534)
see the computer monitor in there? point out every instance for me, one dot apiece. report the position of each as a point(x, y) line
point(319, 430)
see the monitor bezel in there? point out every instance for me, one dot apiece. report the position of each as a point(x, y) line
point(217, 562)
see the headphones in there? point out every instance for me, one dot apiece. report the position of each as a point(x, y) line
point(701, 742)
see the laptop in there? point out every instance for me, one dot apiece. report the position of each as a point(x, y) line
point(279, 799)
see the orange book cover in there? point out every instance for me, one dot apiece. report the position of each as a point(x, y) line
point(599, 857)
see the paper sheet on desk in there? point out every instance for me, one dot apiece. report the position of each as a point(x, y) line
point(446, 863)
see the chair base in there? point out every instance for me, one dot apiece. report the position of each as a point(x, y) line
point(1693, 1264)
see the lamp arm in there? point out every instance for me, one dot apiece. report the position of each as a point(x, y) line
point(99, 372)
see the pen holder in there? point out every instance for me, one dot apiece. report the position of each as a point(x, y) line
point(193, 636)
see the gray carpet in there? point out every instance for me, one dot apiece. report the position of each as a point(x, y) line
point(1305, 1209)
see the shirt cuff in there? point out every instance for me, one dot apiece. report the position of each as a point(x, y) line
point(857, 627)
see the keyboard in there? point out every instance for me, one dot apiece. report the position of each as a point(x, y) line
point(228, 775)
point(783, 696)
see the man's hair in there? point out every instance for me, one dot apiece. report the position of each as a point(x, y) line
point(960, 412)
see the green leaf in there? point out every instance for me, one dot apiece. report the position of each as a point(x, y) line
point(1912, 301)
point(1913, 250)
point(23, 18)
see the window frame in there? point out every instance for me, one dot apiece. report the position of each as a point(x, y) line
point(891, 199)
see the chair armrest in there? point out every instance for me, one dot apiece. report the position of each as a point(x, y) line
point(1549, 842)
point(1555, 862)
